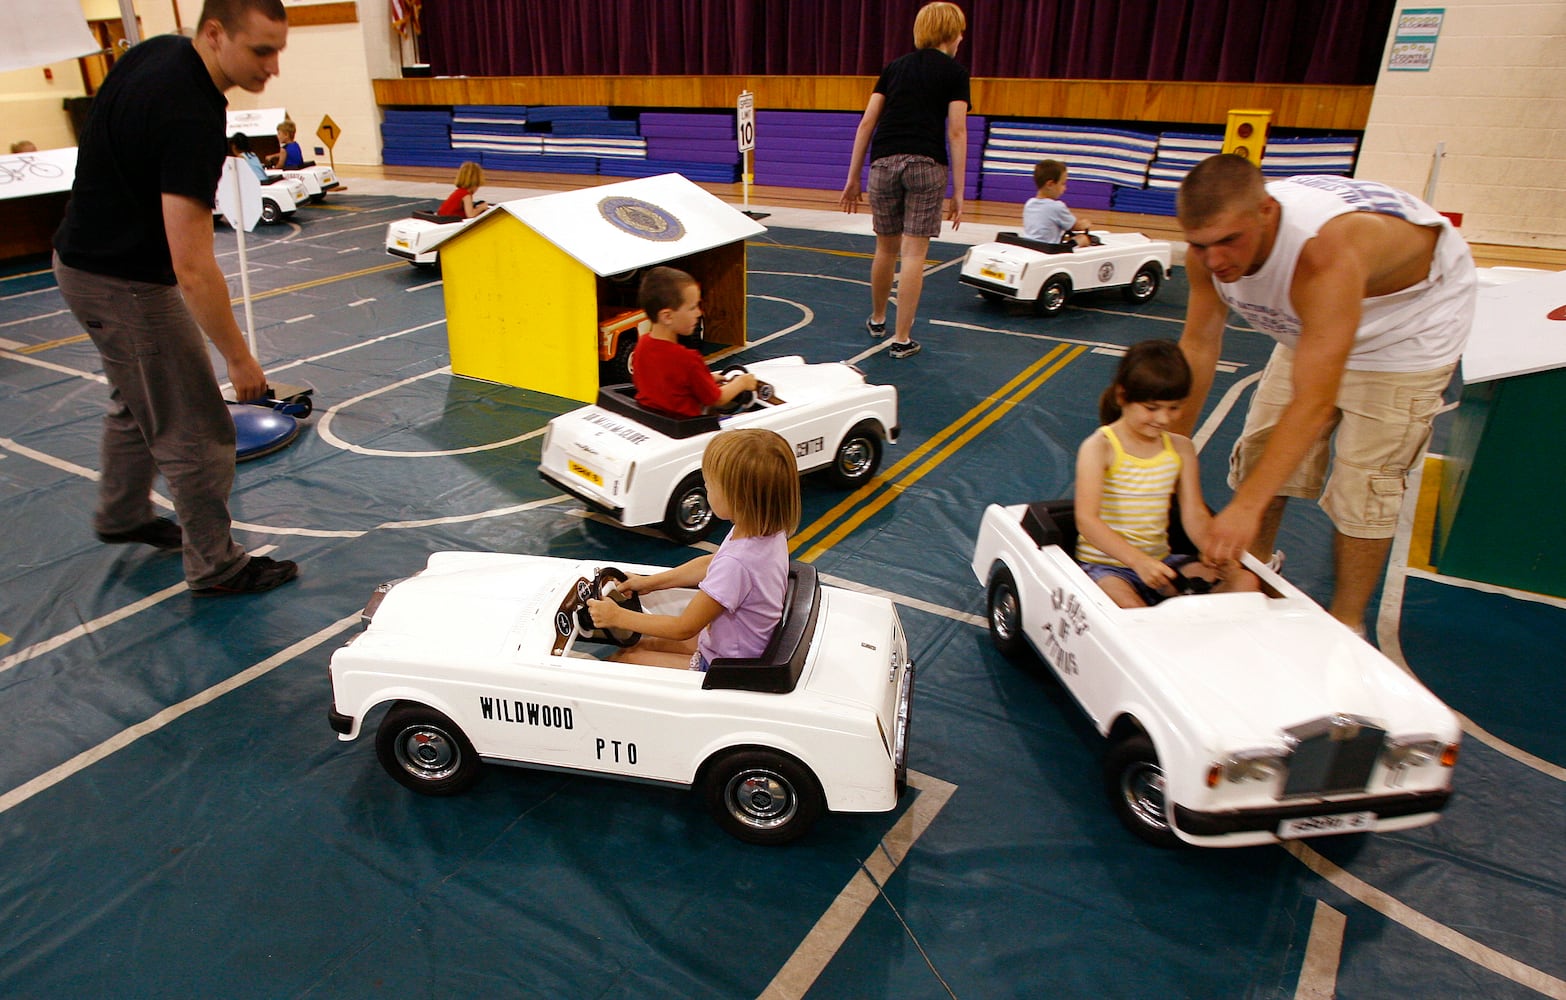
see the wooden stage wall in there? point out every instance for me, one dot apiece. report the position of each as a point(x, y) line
point(1294, 106)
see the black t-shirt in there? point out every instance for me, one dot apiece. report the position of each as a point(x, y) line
point(157, 126)
point(918, 88)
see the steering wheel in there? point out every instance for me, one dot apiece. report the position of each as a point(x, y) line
point(605, 585)
point(744, 399)
point(1186, 585)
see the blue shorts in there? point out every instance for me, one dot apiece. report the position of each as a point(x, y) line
point(1098, 571)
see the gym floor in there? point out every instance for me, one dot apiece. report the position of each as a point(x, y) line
point(178, 819)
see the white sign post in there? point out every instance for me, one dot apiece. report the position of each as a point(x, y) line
point(745, 122)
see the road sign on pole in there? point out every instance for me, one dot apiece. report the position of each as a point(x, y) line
point(328, 133)
point(745, 129)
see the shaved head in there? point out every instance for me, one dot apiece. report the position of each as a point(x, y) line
point(1216, 185)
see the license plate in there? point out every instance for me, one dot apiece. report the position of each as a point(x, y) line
point(402, 244)
point(994, 274)
point(1321, 826)
point(586, 473)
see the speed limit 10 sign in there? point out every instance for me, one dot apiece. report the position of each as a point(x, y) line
point(747, 121)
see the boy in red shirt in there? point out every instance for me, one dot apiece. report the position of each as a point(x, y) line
point(670, 377)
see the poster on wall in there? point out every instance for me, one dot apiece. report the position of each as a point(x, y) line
point(1414, 39)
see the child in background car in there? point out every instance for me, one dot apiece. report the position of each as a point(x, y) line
point(1046, 218)
point(669, 377)
point(460, 204)
point(752, 480)
point(1128, 470)
point(288, 156)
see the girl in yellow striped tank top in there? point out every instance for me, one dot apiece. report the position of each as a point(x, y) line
point(1128, 470)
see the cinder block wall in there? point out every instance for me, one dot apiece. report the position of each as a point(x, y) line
point(1496, 96)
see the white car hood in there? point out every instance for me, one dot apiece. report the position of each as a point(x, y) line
point(1313, 672)
point(472, 606)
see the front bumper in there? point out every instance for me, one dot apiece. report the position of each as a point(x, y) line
point(1218, 824)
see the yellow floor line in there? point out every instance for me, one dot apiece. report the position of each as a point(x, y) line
point(977, 420)
point(1422, 538)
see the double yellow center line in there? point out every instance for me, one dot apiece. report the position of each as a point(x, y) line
point(870, 498)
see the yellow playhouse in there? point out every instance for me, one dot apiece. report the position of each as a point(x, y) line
point(525, 284)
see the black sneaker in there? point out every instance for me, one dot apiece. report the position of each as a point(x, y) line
point(876, 330)
point(260, 574)
point(906, 349)
point(160, 533)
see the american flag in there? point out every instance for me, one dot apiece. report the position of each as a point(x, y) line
point(405, 16)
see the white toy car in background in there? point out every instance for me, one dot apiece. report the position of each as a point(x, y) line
point(486, 657)
point(280, 198)
point(317, 179)
point(644, 468)
point(1232, 719)
point(417, 239)
point(1016, 269)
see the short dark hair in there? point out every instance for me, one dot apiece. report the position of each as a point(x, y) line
point(1150, 371)
point(1046, 171)
point(1217, 184)
point(240, 141)
point(229, 13)
point(662, 288)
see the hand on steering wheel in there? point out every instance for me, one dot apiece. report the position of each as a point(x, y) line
point(605, 587)
point(744, 399)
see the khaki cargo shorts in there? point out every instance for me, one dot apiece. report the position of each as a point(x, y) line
point(1380, 430)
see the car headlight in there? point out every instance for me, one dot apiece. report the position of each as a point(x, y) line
point(1418, 751)
point(1249, 765)
point(374, 603)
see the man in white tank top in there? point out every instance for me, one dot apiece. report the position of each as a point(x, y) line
point(1370, 294)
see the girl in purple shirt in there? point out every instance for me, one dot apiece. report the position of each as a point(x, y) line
point(753, 481)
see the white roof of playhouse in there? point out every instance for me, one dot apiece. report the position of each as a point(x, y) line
point(614, 228)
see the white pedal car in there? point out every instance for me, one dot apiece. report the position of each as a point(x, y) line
point(417, 239)
point(1232, 719)
point(1016, 269)
point(317, 179)
point(642, 467)
point(280, 198)
point(486, 657)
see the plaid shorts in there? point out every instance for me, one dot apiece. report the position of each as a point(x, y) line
point(906, 193)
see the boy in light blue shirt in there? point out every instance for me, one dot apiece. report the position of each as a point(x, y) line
point(1046, 218)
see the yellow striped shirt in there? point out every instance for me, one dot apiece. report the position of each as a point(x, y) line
point(1135, 501)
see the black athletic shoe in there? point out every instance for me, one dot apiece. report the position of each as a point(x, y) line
point(160, 533)
point(876, 330)
point(906, 349)
point(260, 574)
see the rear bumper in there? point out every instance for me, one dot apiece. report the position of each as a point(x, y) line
point(618, 513)
point(989, 286)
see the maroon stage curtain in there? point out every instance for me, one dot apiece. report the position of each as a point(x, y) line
point(1228, 41)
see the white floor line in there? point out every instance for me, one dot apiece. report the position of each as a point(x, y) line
point(824, 940)
point(1432, 930)
point(126, 737)
point(1323, 953)
point(33, 319)
point(102, 622)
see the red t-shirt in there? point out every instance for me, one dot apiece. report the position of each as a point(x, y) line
point(672, 378)
point(453, 204)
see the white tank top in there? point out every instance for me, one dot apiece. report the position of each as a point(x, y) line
point(1418, 328)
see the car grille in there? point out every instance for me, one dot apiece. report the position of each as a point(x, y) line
point(1333, 755)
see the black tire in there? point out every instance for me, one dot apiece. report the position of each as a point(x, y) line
point(316, 199)
point(425, 751)
point(270, 213)
point(1135, 784)
point(1145, 285)
point(762, 796)
point(1004, 606)
point(617, 369)
point(688, 518)
point(1052, 297)
point(857, 458)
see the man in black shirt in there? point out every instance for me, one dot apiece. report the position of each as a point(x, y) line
point(134, 260)
point(918, 109)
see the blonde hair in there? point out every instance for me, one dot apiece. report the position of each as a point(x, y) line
point(938, 23)
point(759, 476)
point(1217, 185)
point(470, 176)
point(287, 128)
